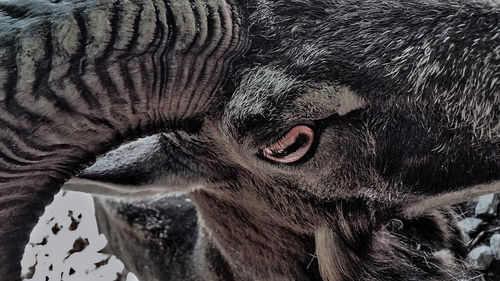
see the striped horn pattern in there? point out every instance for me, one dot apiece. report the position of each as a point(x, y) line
point(78, 78)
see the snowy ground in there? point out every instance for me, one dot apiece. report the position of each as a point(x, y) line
point(65, 244)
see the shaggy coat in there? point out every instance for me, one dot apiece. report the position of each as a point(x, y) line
point(400, 100)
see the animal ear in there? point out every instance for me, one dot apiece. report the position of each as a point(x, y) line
point(144, 167)
point(422, 205)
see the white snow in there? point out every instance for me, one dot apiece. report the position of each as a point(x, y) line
point(53, 260)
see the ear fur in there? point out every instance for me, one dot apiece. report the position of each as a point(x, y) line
point(144, 167)
point(450, 198)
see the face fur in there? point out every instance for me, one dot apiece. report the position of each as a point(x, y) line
point(384, 132)
point(384, 141)
point(402, 115)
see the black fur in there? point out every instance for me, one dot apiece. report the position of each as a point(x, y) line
point(403, 97)
point(396, 92)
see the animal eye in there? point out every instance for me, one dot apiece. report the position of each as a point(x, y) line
point(292, 147)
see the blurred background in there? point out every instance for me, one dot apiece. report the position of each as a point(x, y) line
point(65, 244)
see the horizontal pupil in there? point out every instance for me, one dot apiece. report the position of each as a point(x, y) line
point(300, 141)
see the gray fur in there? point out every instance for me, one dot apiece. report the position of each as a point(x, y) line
point(403, 97)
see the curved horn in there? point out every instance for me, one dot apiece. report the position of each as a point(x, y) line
point(79, 78)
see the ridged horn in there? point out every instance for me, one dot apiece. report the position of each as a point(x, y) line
point(78, 78)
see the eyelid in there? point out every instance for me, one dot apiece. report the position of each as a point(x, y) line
point(289, 139)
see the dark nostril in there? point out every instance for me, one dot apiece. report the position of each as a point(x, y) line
point(292, 147)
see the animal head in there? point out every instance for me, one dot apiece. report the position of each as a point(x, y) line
point(336, 109)
point(326, 122)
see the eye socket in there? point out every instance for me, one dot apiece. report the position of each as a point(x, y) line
point(292, 147)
